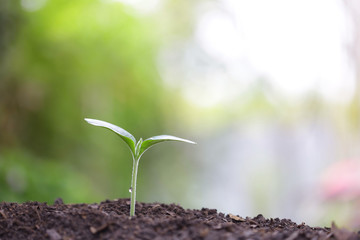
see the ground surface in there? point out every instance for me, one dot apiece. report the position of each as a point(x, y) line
point(109, 220)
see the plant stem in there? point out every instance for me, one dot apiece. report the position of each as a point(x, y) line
point(133, 187)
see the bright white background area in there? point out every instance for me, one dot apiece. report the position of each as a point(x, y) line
point(298, 45)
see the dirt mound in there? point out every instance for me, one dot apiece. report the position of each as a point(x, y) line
point(110, 220)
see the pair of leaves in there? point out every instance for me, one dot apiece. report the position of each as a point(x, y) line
point(137, 148)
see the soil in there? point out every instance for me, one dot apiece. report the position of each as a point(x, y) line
point(110, 220)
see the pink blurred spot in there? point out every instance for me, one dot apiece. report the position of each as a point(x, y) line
point(342, 180)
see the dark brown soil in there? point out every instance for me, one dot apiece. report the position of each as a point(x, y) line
point(110, 220)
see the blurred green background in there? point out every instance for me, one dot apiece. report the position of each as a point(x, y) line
point(267, 132)
point(67, 61)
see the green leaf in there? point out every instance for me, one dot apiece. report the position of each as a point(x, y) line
point(126, 136)
point(158, 139)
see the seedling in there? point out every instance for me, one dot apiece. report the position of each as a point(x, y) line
point(137, 150)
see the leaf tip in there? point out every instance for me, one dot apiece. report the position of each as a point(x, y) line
point(91, 121)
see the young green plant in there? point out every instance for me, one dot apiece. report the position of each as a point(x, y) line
point(137, 150)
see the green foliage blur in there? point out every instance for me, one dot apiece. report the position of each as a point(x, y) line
point(63, 62)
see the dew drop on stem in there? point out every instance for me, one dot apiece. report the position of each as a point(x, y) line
point(130, 190)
